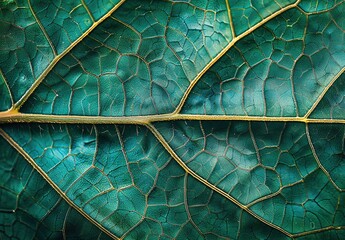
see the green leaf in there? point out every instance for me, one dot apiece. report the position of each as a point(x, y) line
point(30, 208)
point(172, 119)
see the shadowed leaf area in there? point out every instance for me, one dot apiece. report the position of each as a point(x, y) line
point(163, 119)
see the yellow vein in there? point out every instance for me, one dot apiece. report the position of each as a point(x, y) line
point(232, 27)
point(318, 231)
point(119, 136)
point(327, 10)
point(38, 81)
point(225, 49)
point(64, 227)
point(87, 10)
point(42, 29)
point(324, 170)
point(186, 206)
point(323, 93)
point(7, 86)
point(166, 145)
point(16, 146)
point(14, 116)
point(271, 195)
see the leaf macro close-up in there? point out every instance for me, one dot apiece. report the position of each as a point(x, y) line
point(172, 119)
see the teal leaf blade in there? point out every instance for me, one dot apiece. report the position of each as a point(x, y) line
point(61, 22)
point(172, 119)
point(31, 209)
point(268, 167)
point(155, 46)
point(332, 104)
point(144, 193)
point(25, 51)
point(248, 13)
point(6, 96)
point(266, 73)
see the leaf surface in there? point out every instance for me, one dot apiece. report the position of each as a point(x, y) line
point(172, 119)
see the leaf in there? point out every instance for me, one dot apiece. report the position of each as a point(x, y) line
point(172, 119)
point(30, 208)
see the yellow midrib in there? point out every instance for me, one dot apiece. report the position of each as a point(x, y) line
point(15, 116)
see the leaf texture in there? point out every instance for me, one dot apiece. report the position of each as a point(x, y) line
point(172, 119)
